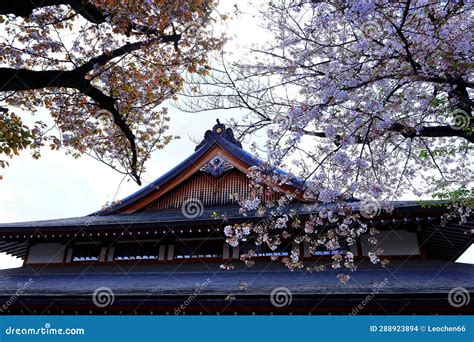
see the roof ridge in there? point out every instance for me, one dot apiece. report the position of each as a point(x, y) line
point(219, 131)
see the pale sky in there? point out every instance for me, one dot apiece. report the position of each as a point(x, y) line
point(58, 186)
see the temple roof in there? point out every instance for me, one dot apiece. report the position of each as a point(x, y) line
point(442, 243)
point(223, 140)
point(404, 277)
point(140, 212)
point(420, 283)
point(402, 210)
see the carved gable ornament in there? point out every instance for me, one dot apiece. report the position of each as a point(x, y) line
point(217, 166)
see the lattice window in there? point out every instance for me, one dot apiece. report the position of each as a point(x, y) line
point(211, 191)
point(136, 251)
point(86, 252)
point(207, 249)
point(263, 250)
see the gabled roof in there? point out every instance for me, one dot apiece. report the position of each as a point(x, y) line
point(219, 140)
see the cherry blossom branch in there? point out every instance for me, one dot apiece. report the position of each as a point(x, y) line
point(24, 8)
point(85, 8)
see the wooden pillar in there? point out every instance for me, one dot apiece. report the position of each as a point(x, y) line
point(69, 256)
point(306, 252)
point(110, 254)
point(225, 251)
point(161, 253)
point(360, 254)
point(235, 252)
point(419, 237)
point(170, 252)
point(353, 249)
point(103, 254)
point(297, 246)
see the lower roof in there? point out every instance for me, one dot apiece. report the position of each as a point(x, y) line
point(399, 277)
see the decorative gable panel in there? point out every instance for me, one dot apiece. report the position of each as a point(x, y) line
point(210, 190)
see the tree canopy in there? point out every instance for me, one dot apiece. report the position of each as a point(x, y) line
point(365, 99)
point(102, 69)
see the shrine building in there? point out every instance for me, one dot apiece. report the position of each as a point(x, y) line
point(160, 251)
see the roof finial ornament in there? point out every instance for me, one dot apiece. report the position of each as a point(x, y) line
point(219, 128)
point(219, 131)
